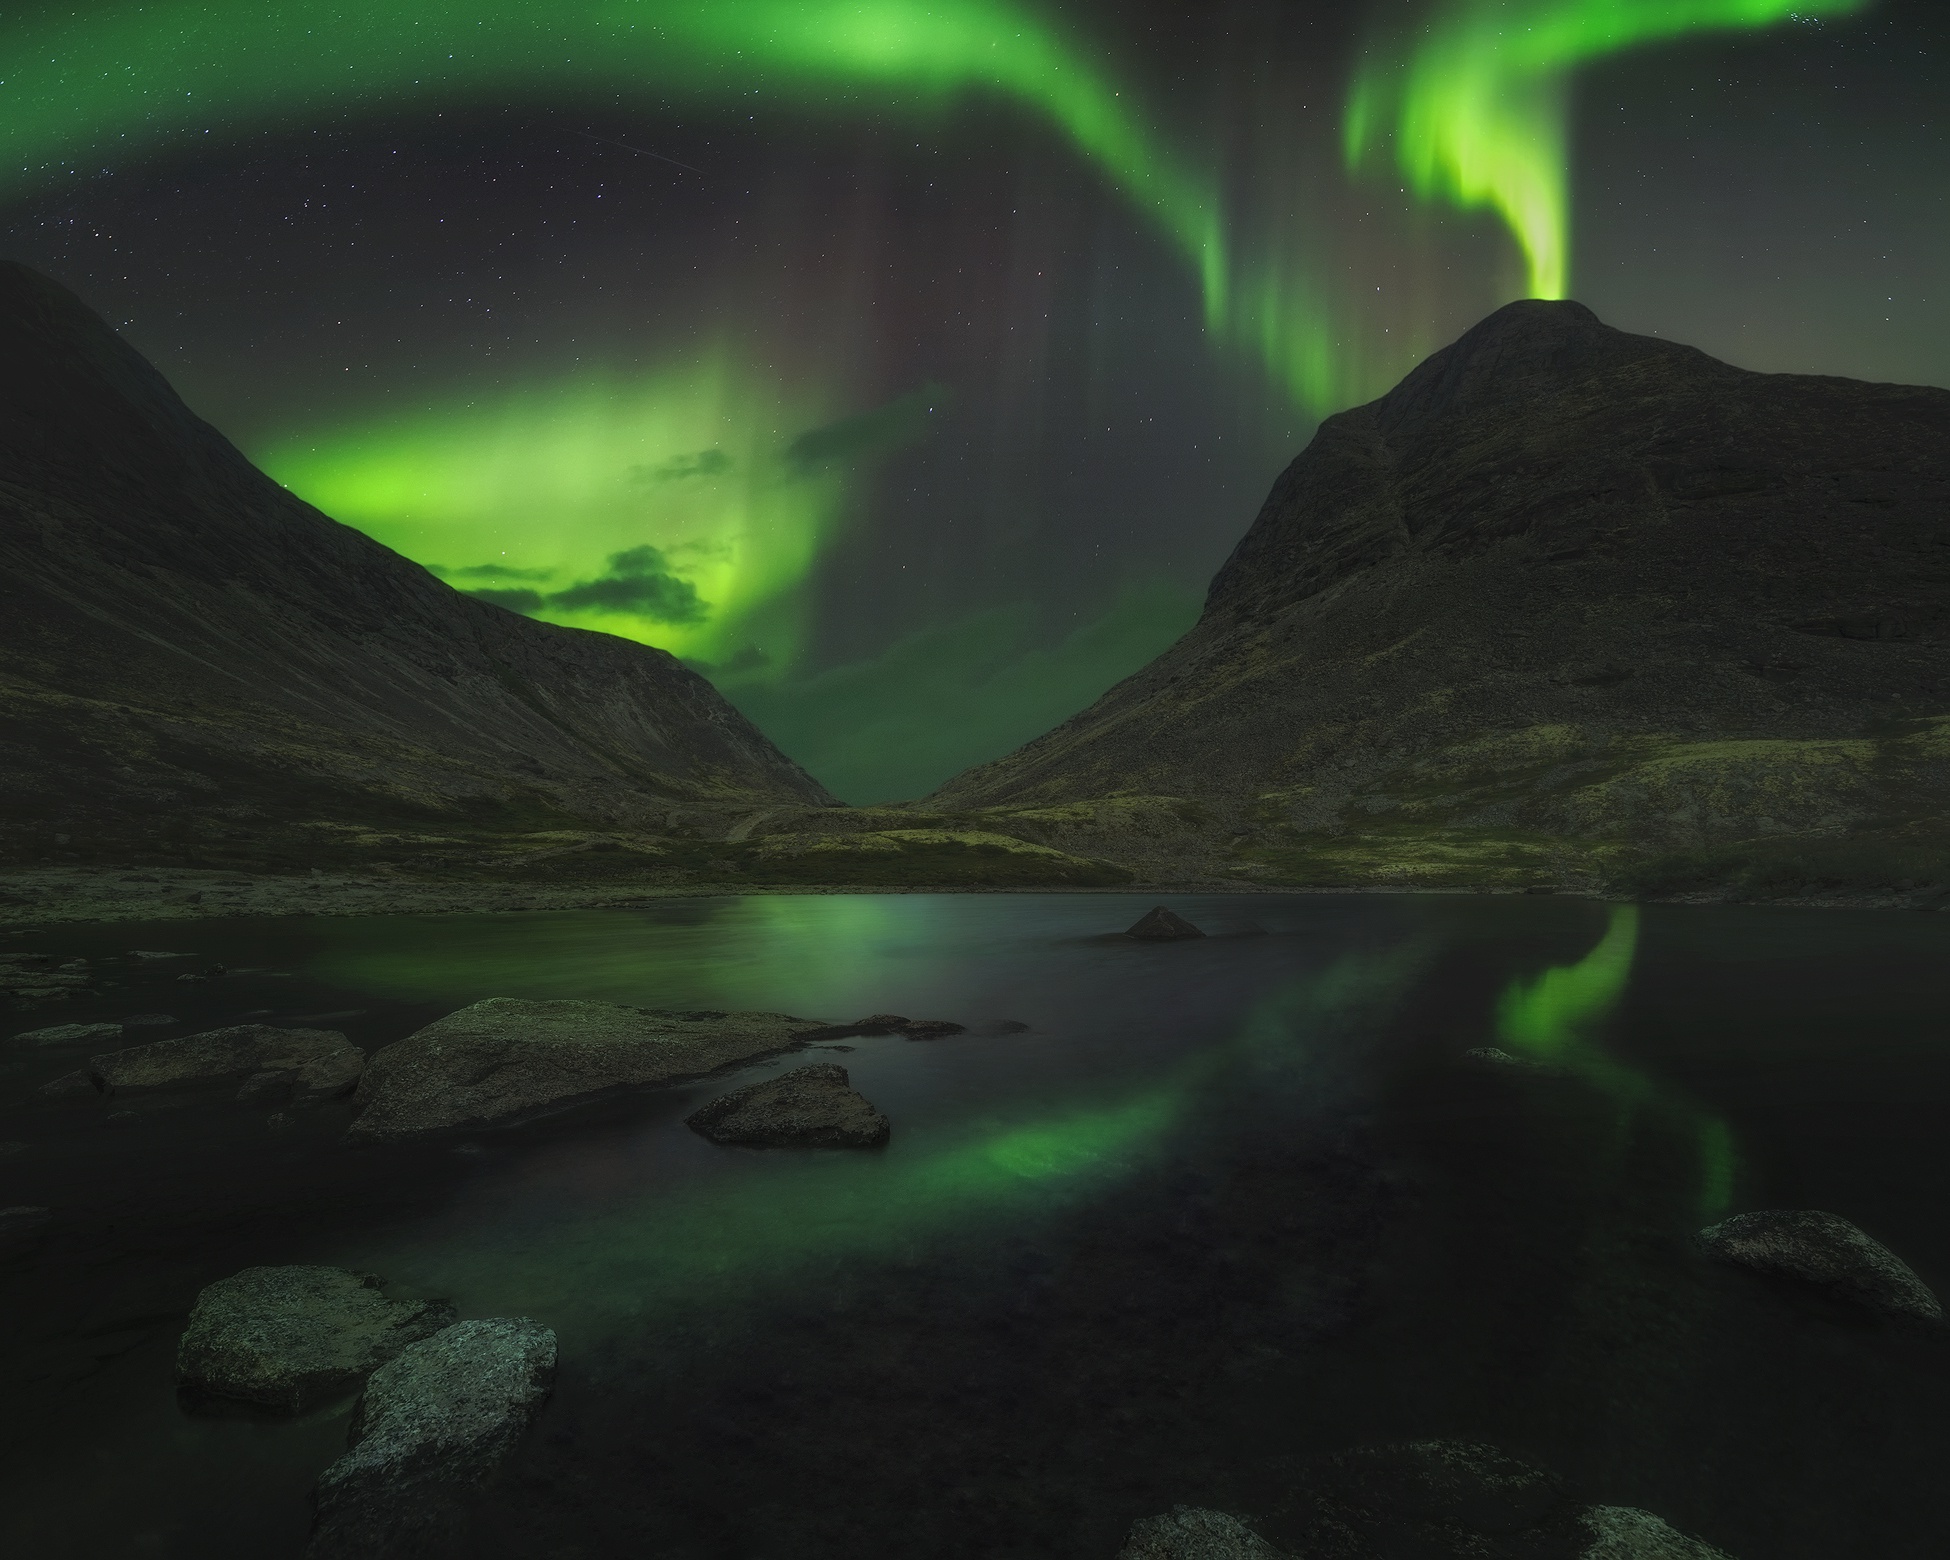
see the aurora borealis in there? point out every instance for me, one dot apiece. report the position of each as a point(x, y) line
point(908, 367)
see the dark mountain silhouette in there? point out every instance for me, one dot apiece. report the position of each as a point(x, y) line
point(1567, 604)
point(196, 664)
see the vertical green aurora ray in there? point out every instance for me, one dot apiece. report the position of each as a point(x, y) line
point(1475, 102)
point(1550, 1020)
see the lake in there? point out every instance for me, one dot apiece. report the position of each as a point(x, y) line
point(1220, 1208)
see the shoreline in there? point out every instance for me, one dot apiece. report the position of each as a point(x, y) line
point(65, 896)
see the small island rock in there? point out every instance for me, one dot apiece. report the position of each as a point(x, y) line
point(1827, 1251)
point(70, 1034)
point(431, 1428)
point(507, 1058)
point(285, 1338)
point(320, 1063)
point(1162, 925)
point(1191, 1533)
point(809, 1107)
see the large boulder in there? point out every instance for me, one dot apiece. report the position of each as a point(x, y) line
point(506, 1058)
point(286, 1338)
point(809, 1107)
point(1191, 1533)
point(1161, 925)
point(305, 1064)
point(431, 1428)
point(1626, 1533)
point(1825, 1250)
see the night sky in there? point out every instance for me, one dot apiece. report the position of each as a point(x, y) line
point(908, 366)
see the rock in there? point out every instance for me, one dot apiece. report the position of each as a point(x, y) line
point(22, 1230)
point(321, 1063)
point(138, 1022)
point(886, 1024)
point(1827, 1251)
point(1162, 925)
point(150, 953)
point(1190, 1533)
point(12, 962)
point(809, 1107)
point(69, 1034)
point(1494, 1057)
point(286, 1338)
point(1440, 1498)
point(506, 1058)
point(431, 1428)
point(1626, 1533)
point(69, 1086)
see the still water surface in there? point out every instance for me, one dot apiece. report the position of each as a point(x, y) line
point(1223, 1206)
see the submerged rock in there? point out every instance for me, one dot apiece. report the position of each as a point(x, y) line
point(69, 1086)
point(286, 1338)
point(22, 1229)
point(317, 1064)
point(507, 1058)
point(809, 1107)
point(1162, 925)
point(1825, 1250)
point(1441, 1498)
point(431, 1428)
point(69, 1034)
point(1626, 1533)
point(1191, 1533)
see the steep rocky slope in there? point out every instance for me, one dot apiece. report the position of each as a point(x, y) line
point(195, 666)
point(1566, 605)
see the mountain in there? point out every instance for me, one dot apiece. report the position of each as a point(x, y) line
point(1567, 605)
point(197, 667)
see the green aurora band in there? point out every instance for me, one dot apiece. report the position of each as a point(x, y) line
point(1550, 1019)
point(1476, 102)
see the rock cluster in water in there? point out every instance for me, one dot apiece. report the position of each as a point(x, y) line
point(267, 1066)
point(875, 1024)
point(809, 1107)
point(431, 1428)
point(1828, 1252)
point(287, 1338)
point(1162, 925)
point(507, 1058)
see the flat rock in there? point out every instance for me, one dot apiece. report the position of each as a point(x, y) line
point(1825, 1250)
point(431, 1428)
point(1162, 925)
point(887, 1024)
point(1191, 1533)
point(320, 1063)
point(809, 1107)
point(285, 1338)
point(22, 1229)
point(69, 1034)
point(507, 1058)
point(1626, 1533)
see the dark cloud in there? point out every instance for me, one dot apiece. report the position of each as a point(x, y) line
point(902, 421)
point(638, 581)
point(489, 571)
point(704, 463)
point(516, 600)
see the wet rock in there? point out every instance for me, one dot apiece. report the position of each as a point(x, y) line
point(505, 1059)
point(1825, 1250)
point(809, 1107)
point(70, 1034)
point(11, 963)
point(1162, 925)
point(1626, 1533)
point(1440, 1498)
point(432, 1428)
point(321, 1063)
point(1190, 1533)
point(286, 1338)
point(22, 1230)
